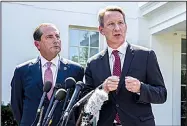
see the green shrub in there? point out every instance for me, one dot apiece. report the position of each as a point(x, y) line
point(7, 118)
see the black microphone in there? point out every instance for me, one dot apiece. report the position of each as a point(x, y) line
point(59, 96)
point(69, 84)
point(78, 88)
point(46, 89)
point(86, 97)
point(57, 86)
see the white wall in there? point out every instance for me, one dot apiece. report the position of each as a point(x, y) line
point(168, 50)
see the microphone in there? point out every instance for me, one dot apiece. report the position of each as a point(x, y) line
point(87, 96)
point(59, 96)
point(84, 99)
point(78, 88)
point(96, 101)
point(46, 89)
point(69, 84)
point(40, 117)
point(57, 86)
point(93, 106)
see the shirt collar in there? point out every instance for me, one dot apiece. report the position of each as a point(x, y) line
point(122, 49)
point(54, 60)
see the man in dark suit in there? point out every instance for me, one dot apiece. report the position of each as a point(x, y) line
point(29, 77)
point(130, 75)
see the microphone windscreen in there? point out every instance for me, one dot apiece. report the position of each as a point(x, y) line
point(95, 102)
point(80, 84)
point(60, 94)
point(58, 86)
point(70, 82)
point(93, 106)
point(47, 86)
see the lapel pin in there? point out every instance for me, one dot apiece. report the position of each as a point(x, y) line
point(65, 68)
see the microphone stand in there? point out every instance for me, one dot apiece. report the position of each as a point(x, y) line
point(66, 116)
point(48, 109)
point(64, 106)
point(40, 117)
point(82, 100)
point(57, 86)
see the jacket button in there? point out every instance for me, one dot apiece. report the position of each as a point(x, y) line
point(117, 105)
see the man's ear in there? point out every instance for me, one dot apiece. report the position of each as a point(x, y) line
point(37, 44)
point(101, 30)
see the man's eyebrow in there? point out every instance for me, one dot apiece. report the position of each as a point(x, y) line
point(49, 35)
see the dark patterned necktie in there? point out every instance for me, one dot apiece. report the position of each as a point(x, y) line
point(116, 72)
point(48, 76)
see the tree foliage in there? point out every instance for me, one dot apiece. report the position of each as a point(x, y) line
point(7, 118)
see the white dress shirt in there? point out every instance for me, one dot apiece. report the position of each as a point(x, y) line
point(122, 51)
point(54, 67)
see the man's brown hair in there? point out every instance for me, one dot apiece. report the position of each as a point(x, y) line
point(108, 8)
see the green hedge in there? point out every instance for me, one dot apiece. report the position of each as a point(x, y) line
point(7, 118)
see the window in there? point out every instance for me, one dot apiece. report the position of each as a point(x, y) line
point(83, 44)
point(183, 82)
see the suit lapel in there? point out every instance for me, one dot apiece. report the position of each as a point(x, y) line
point(36, 71)
point(126, 65)
point(63, 70)
point(104, 64)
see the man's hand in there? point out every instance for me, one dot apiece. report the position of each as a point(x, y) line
point(111, 83)
point(132, 84)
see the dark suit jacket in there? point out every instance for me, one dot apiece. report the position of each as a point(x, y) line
point(133, 109)
point(27, 89)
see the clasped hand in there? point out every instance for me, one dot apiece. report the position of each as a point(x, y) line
point(131, 84)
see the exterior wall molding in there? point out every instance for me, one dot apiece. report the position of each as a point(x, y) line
point(168, 23)
point(162, 15)
point(150, 7)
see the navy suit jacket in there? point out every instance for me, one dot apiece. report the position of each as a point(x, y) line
point(27, 89)
point(133, 109)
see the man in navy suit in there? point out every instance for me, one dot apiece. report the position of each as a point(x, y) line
point(28, 79)
point(130, 75)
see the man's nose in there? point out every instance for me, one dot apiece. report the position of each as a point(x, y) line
point(56, 41)
point(116, 27)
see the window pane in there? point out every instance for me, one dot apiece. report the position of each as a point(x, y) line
point(183, 109)
point(83, 56)
point(183, 77)
point(84, 38)
point(183, 93)
point(74, 37)
point(74, 54)
point(184, 46)
point(94, 39)
point(183, 56)
point(93, 51)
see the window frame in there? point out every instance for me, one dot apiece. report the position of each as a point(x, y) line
point(83, 28)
